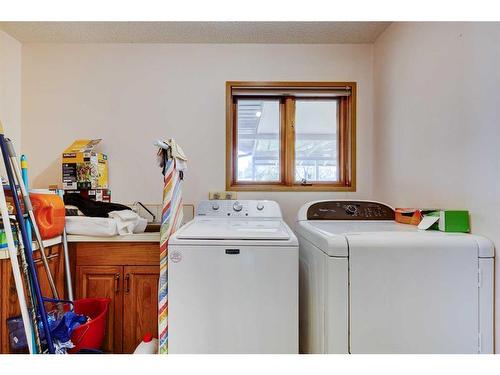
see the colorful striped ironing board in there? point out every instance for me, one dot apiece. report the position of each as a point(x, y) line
point(171, 221)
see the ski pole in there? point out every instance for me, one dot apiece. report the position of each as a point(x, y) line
point(24, 170)
point(15, 268)
point(28, 206)
point(32, 307)
point(67, 266)
point(27, 243)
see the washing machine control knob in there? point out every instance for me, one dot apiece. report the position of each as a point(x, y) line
point(351, 209)
point(260, 206)
point(215, 206)
point(237, 206)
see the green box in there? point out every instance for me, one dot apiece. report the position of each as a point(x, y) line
point(454, 221)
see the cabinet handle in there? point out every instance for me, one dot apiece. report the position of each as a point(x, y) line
point(37, 261)
point(117, 283)
point(127, 283)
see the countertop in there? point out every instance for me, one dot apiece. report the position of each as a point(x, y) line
point(4, 253)
point(139, 237)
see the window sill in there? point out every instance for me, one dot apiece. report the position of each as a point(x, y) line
point(271, 187)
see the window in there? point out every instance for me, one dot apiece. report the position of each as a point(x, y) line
point(258, 140)
point(290, 136)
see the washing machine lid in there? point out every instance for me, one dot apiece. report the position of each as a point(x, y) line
point(234, 229)
point(335, 238)
point(331, 237)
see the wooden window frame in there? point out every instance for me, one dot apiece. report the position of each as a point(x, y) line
point(347, 139)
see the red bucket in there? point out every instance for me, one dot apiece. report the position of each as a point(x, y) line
point(91, 334)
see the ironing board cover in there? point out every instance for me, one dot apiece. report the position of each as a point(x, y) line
point(170, 222)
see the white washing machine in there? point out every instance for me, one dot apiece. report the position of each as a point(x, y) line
point(233, 281)
point(371, 285)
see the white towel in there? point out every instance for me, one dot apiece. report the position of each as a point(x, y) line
point(128, 222)
point(91, 226)
point(177, 152)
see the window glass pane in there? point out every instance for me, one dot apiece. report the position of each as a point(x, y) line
point(258, 140)
point(316, 140)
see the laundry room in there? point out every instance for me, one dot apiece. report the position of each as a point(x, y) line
point(249, 186)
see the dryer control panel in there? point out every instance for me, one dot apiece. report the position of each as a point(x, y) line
point(349, 210)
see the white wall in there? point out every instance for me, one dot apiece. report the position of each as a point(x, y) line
point(132, 94)
point(436, 127)
point(434, 140)
point(10, 88)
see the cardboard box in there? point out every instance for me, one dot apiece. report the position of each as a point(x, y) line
point(447, 221)
point(454, 221)
point(98, 195)
point(412, 216)
point(83, 167)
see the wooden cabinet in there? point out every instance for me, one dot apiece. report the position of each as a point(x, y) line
point(104, 282)
point(9, 304)
point(140, 304)
point(128, 273)
point(55, 258)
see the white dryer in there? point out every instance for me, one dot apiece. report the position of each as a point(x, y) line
point(371, 285)
point(233, 281)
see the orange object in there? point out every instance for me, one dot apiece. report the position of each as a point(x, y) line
point(49, 214)
point(411, 216)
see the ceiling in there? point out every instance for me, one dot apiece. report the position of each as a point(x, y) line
point(195, 32)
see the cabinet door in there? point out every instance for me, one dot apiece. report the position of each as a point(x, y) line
point(104, 282)
point(55, 259)
point(9, 302)
point(9, 305)
point(140, 315)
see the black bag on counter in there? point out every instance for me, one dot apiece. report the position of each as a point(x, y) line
point(92, 208)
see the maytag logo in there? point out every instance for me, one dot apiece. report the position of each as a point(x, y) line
point(176, 257)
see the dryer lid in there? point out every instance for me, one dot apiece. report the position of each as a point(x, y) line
point(234, 229)
point(345, 227)
point(331, 236)
point(335, 238)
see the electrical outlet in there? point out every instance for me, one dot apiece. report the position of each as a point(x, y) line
point(225, 195)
